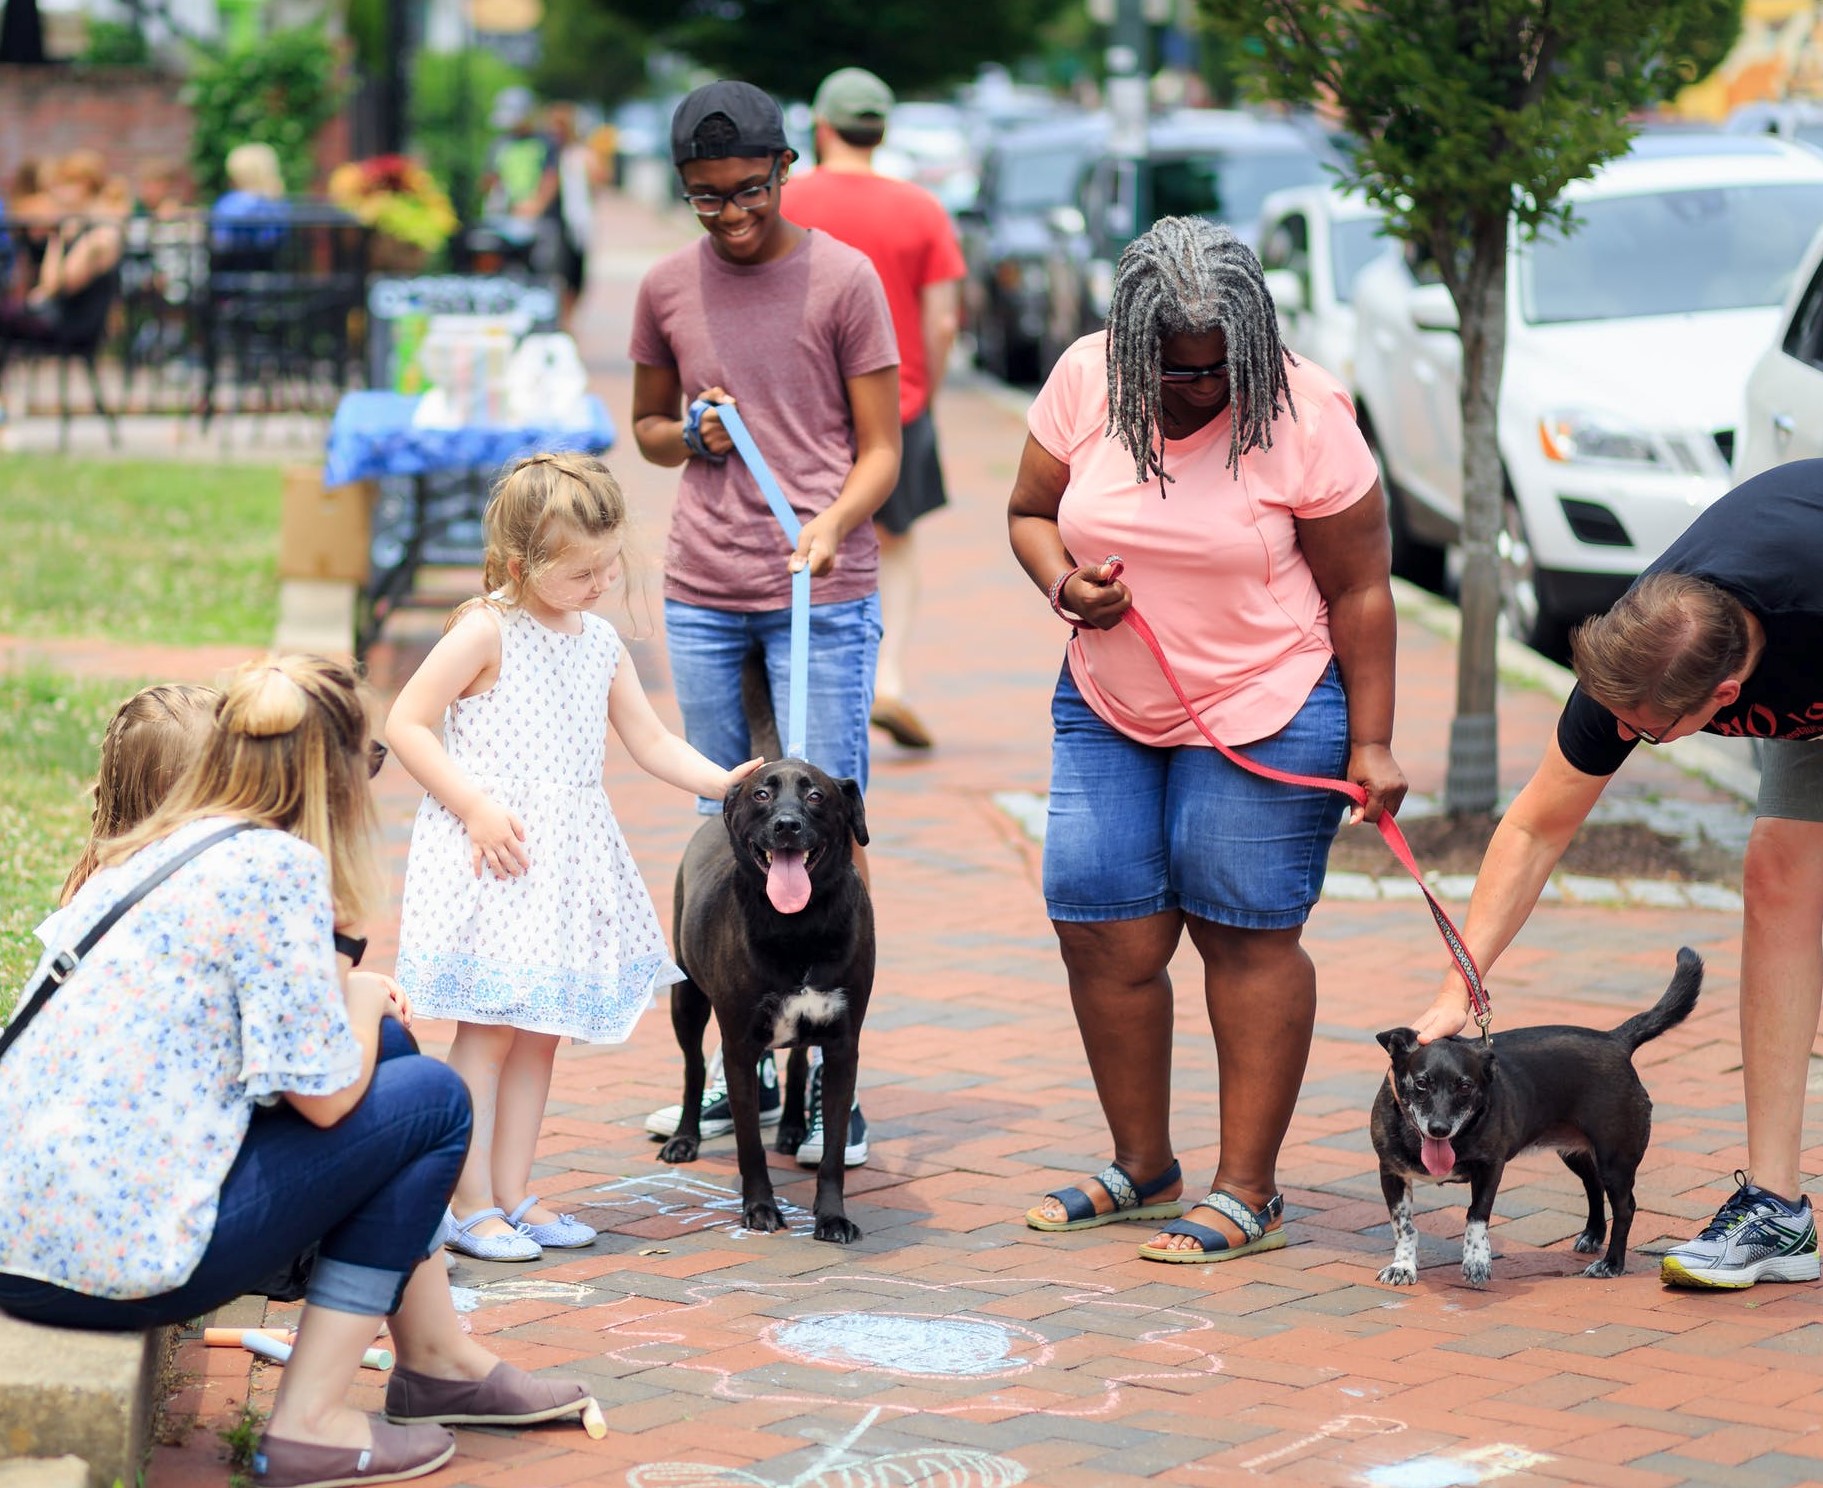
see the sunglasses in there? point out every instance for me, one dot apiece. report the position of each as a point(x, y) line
point(748, 198)
point(1192, 374)
point(376, 757)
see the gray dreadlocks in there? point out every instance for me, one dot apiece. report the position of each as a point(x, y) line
point(1188, 277)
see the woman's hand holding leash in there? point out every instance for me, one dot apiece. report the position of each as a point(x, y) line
point(1372, 767)
point(498, 839)
point(709, 428)
point(818, 540)
point(1447, 1015)
point(1095, 595)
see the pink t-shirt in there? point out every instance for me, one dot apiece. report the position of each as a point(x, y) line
point(1213, 561)
point(782, 338)
point(908, 237)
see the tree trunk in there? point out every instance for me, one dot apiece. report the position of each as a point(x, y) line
point(1473, 780)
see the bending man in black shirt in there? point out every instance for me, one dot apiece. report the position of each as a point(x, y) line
point(1724, 633)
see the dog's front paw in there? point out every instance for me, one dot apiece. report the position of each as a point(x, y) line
point(790, 1138)
point(678, 1149)
point(762, 1215)
point(838, 1229)
point(1590, 1241)
point(1399, 1275)
point(1477, 1271)
point(1604, 1269)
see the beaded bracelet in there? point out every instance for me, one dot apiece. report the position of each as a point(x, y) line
point(1056, 596)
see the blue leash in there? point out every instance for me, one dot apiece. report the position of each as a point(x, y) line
point(797, 711)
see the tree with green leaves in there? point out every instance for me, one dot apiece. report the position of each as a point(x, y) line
point(1472, 117)
point(789, 46)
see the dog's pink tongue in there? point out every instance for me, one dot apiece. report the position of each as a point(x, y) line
point(1439, 1157)
point(787, 883)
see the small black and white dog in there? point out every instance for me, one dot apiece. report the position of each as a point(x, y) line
point(1457, 1111)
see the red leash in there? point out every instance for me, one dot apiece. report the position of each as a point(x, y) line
point(1389, 828)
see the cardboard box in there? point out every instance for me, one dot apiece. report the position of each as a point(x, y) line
point(325, 534)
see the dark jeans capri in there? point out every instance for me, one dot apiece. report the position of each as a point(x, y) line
point(371, 1188)
point(920, 489)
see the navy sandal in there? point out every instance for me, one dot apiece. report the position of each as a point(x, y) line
point(1129, 1201)
point(1263, 1227)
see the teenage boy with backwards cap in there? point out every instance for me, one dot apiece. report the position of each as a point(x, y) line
point(792, 326)
point(907, 234)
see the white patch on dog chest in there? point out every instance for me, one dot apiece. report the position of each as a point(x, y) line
point(809, 1006)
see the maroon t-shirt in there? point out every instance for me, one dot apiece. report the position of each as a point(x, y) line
point(781, 338)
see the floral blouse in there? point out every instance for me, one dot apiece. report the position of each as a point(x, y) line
point(124, 1104)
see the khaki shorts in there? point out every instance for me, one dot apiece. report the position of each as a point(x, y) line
point(1791, 780)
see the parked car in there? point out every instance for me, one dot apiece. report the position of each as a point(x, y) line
point(1784, 415)
point(1313, 241)
point(1796, 119)
point(1628, 346)
point(1024, 175)
point(1215, 163)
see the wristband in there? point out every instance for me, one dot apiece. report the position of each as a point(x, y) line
point(693, 432)
point(1056, 596)
point(352, 946)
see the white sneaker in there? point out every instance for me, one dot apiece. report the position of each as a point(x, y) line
point(717, 1119)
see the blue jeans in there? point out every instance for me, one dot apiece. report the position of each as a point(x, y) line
point(1134, 830)
point(372, 1188)
point(707, 648)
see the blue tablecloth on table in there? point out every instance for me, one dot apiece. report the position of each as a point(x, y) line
point(372, 435)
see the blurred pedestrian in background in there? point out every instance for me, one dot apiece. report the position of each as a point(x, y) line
point(521, 188)
point(249, 218)
point(905, 232)
point(579, 173)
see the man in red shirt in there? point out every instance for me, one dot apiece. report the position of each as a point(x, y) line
point(907, 234)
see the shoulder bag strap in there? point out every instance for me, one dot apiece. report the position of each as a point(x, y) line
point(64, 963)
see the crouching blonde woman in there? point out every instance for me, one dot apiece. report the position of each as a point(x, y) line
point(208, 1093)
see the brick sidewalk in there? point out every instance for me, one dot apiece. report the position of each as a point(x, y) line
point(953, 1345)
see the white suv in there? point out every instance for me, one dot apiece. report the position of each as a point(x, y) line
point(1628, 347)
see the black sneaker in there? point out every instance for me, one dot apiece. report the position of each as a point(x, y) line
point(1755, 1236)
point(810, 1153)
point(718, 1116)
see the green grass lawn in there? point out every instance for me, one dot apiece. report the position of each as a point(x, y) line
point(49, 745)
point(139, 550)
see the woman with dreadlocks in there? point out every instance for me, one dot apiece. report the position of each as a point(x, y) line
point(1230, 478)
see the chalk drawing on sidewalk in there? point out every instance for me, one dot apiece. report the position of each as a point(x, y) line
point(1083, 1372)
point(838, 1465)
point(532, 1289)
point(1461, 1468)
point(906, 1343)
point(693, 1203)
point(1343, 1426)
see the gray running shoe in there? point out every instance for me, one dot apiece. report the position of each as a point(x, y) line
point(1755, 1236)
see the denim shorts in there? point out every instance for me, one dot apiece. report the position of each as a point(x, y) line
point(1134, 829)
point(707, 648)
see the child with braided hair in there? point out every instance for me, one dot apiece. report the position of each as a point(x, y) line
point(524, 917)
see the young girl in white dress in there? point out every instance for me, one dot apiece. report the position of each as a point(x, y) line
point(524, 917)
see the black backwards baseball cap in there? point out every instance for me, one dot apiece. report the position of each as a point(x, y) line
point(755, 124)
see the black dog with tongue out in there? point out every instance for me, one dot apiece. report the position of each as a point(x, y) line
point(1456, 1111)
point(774, 930)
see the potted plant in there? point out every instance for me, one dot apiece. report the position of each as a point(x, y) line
point(409, 212)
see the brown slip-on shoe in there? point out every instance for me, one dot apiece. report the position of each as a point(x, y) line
point(897, 718)
point(397, 1453)
point(507, 1397)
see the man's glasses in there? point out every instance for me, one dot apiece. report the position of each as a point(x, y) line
point(748, 198)
point(376, 757)
point(1192, 374)
point(1646, 736)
